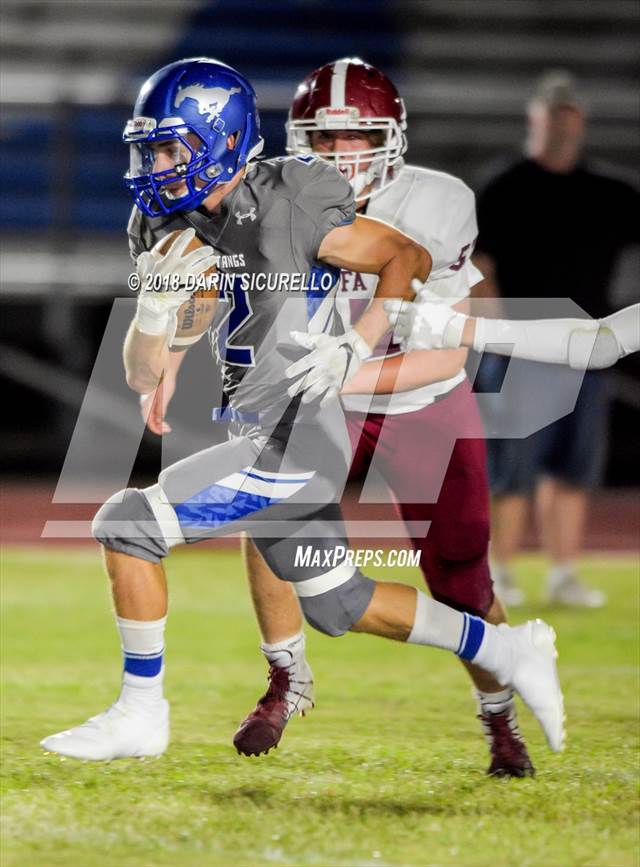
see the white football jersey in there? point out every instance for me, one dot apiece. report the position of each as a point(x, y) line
point(438, 211)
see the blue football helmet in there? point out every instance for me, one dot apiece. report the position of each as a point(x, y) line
point(183, 117)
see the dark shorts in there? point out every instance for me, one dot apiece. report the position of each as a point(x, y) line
point(436, 454)
point(572, 449)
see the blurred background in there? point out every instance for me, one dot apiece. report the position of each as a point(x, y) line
point(71, 71)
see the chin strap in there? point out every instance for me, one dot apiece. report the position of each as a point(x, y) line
point(373, 173)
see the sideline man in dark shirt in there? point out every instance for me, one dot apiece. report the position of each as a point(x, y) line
point(551, 226)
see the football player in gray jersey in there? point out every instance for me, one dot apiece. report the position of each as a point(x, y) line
point(266, 234)
point(280, 475)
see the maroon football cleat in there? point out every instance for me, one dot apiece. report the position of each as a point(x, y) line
point(289, 692)
point(509, 756)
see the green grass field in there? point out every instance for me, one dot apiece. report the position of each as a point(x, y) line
point(388, 769)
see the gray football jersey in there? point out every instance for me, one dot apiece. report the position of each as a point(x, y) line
point(266, 234)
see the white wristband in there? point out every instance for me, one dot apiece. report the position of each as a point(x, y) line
point(151, 322)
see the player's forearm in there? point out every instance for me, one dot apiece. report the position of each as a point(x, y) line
point(145, 357)
point(409, 261)
point(374, 247)
point(581, 343)
point(174, 362)
point(406, 372)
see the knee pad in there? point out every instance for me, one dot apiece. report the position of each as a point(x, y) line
point(334, 611)
point(127, 523)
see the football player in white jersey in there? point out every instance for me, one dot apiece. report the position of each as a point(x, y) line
point(412, 417)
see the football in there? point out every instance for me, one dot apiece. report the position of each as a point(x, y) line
point(193, 245)
point(195, 316)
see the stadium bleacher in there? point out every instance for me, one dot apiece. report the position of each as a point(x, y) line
point(71, 70)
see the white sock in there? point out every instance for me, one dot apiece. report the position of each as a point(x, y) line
point(143, 649)
point(469, 637)
point(558, 574)
point(500, 573)
point(286, 653)
point(436, 624)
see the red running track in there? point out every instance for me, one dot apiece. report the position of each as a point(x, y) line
point(614, 521)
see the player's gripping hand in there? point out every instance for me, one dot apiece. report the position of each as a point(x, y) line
point(424, 324)
point(164, 282)
point(332, 361)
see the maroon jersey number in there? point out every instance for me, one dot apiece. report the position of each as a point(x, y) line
point(462, 258)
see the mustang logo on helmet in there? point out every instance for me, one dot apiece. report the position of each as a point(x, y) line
point(211, 100)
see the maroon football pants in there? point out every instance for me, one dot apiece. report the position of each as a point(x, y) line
point(434, 462)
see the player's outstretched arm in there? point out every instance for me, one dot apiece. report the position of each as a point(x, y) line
point(406, 371)
point(583, 344)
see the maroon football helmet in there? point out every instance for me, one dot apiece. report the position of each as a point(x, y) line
point(351, 94)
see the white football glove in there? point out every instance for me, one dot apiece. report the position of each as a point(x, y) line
point(331, 363)
point(157, 309)
point(425, 324)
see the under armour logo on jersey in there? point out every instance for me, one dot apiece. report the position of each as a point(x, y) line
point(250, 215)
point(211, 100)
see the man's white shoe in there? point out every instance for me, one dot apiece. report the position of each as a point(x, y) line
point(532, 672)
point(506, 588)
point(123, 731)
point(571, 591)
point(508, 592)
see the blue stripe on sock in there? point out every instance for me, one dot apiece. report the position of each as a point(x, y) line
point(143, 666)
point(465, 629)
point(473, 639)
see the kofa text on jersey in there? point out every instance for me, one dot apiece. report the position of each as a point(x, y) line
point(351, 281)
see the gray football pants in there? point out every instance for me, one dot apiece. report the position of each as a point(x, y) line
point(282, 486)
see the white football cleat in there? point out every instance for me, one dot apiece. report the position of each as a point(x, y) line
point(533, 673)
point(121, 732)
